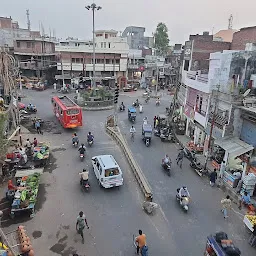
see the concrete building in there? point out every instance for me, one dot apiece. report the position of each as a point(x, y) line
point(242, 37)
point(75, 57)
point(36, 57)
point(224, 35)
point(136, 39)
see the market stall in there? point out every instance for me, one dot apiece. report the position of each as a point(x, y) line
point(249, 221)
point(41, 154)
point(24, 196)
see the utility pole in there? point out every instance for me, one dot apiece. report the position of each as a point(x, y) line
point(156, 78)
point(94, 8)
point(62, 73)
point(212, 124)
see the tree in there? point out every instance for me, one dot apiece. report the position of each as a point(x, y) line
point(161, 39)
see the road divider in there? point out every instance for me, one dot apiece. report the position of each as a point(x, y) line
point(144, 185)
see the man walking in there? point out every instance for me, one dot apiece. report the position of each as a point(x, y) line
point(226, 205)
point(38, 127)
point(179, 158)
point(213, 177)
point(154, 122)
point(80, 225)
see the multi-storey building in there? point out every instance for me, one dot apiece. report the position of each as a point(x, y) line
point(75, 57)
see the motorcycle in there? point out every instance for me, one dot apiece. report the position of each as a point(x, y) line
point(122, 108)
point(166, 135)
point(136, 104)
point(32, 109)
point(198, 167)
point(85, 185)
point(190, 155)
point(166, 167)
point(147, 99)
point(157, 132)
point(82, 155)
point(183, 201)
point(157, 102)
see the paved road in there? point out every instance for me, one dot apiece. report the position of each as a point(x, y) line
point(113, 215)
point(188, 231)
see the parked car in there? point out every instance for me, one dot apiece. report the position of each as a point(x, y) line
point(107, 171)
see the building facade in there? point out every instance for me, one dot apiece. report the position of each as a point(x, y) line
point(75, 57)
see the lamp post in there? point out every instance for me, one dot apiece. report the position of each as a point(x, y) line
point(94, 8)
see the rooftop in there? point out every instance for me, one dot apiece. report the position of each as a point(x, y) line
point(226, 35)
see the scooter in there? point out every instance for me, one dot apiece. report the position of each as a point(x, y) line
point(183, 201)
point(198, 167)
point(166, 167)
point(85, 185)
point(75, 144)
point(122, 108)
point(90, 142)
point(167, 137)
point(82, 155)
point(135, 104)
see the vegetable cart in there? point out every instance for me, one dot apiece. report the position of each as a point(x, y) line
point(24, 198)
point(41, 154)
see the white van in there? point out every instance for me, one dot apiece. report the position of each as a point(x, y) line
point(107, 171)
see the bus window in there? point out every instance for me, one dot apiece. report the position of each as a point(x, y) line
point(61, 112)
point(72, 112)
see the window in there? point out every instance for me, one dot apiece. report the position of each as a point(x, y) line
point(105, 44)
point(111, 172)
point(72, 112)
point(117, 61)
point(18, 44)
point(109, 45)
point(61, 112)
point(106, 36)
point(28, 44)
point(101, 45)
point(73, 60)
point(107, 61)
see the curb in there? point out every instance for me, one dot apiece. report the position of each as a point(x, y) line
point(139, 175)
point(97, 108)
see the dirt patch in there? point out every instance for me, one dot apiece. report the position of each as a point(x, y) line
point(37, 234)
point(63, 239)
point(52, 165)
point(58, 149)
point(52, 126)
point(58, 248)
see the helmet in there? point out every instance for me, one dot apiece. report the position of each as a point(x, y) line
point(89, 133)
point(75, 134)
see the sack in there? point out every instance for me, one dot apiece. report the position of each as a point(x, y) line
point(221, 236)
point(232, 251)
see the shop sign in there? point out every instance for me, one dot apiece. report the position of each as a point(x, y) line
point(187, 50)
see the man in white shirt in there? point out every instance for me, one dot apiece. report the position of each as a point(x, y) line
point(84, 176)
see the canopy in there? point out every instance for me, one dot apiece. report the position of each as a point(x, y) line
point(234, 146)
point(132, 109)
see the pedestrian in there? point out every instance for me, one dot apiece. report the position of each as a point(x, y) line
point(155, 122)
point(55, 86)
point(252, 239)
point(35, 142)
point(179, 158)
point(213, 177)
point(245, 200)
point(80, 225)
point(38, 127)
point(226, 205)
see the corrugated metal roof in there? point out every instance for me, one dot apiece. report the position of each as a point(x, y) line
point(234, 146)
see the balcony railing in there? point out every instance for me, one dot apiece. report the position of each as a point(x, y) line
point(199, 78)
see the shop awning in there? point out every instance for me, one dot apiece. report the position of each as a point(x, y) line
point(234, 146)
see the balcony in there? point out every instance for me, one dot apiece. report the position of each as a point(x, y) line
point(197, 81)
point(133, 66)
point(36, 65)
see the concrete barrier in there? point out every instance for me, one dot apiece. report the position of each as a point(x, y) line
point(146, 189)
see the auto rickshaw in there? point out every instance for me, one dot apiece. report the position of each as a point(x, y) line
point(132, 114)
point(146, 134)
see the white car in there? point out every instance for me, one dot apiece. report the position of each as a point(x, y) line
point(107, 171)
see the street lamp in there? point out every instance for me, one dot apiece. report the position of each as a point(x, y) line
point(94, 8)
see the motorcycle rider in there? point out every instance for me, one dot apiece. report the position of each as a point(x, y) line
point(183, 192)
point(122, 107)
point(141, 108)
point(90, 137)
point(82, 149)
point(75, 139)
point(158, 100)
point(84, 177)
point(132, 131)
point(136, 103)
point(166, 160)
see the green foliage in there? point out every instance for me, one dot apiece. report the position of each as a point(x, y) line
point(161, 39)
point(97, 93)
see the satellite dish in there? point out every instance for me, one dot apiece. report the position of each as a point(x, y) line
point(246, 93)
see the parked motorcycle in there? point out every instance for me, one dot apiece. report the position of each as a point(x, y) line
point(190, 155)
point(198, 167)
point(157, 132)
point(166, 167)
point(167, 136)
point(32, 109)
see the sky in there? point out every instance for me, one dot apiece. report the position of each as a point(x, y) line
point(182, 17)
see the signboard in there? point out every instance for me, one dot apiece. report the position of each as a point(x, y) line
point(187, 50)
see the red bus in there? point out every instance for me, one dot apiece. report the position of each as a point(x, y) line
point(67, 111)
